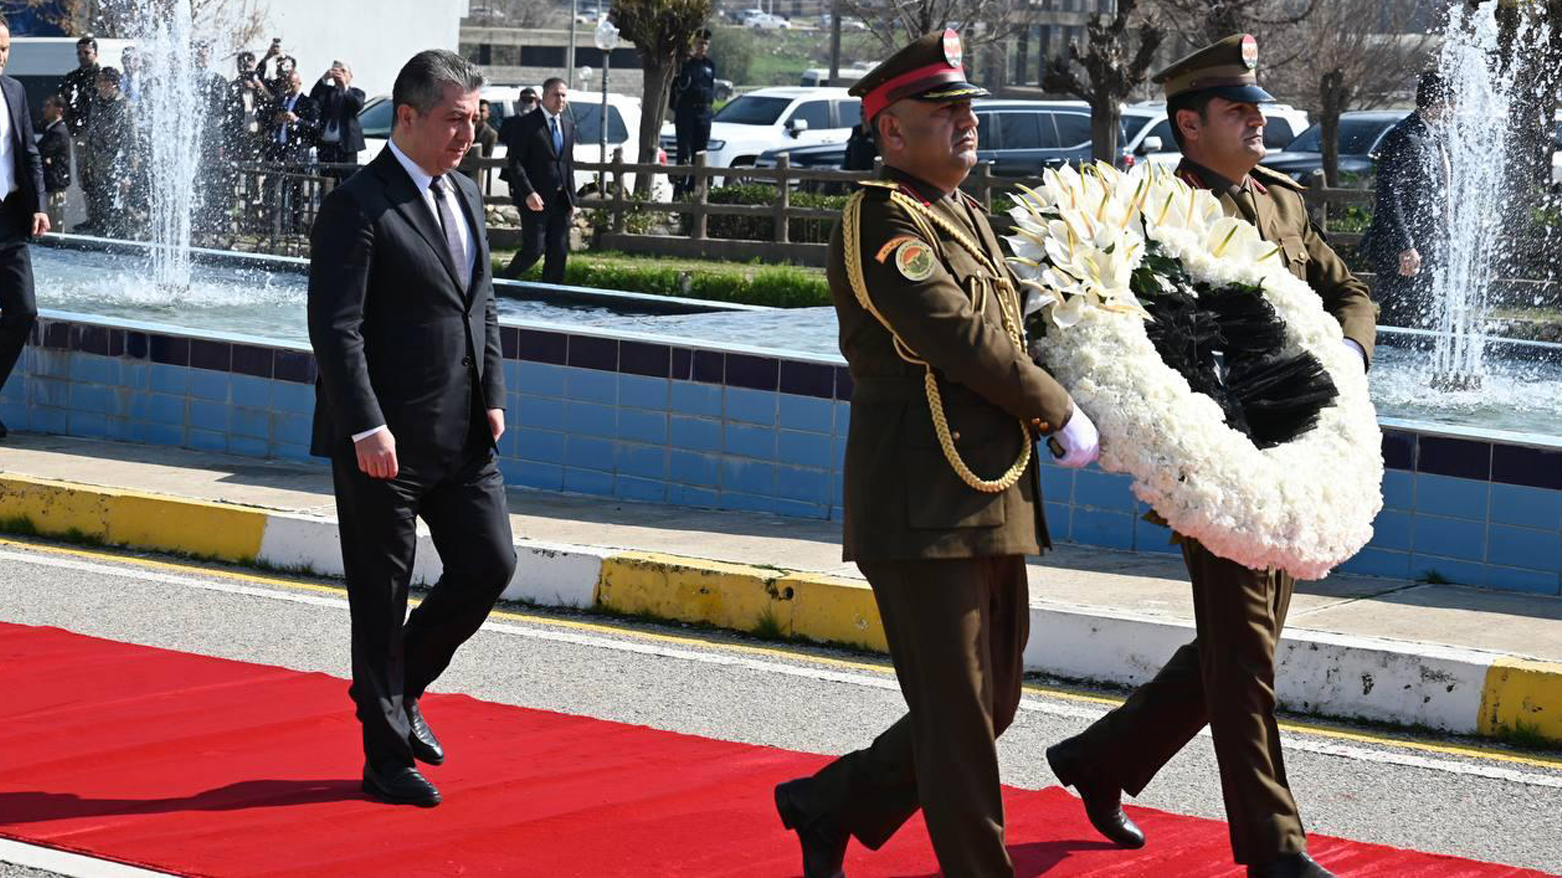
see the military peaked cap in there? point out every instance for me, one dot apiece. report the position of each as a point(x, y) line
point(1227, 69)
point(929, 69)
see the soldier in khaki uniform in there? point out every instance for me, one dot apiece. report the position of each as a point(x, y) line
point(941, 494)
point(1225, 677)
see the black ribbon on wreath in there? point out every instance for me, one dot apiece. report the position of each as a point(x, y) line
point(1228, 342)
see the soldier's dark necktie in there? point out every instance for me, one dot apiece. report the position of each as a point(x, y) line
point(447, 224)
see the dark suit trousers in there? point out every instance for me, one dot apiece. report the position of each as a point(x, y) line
point(956, 630)
point(1224, 679)
point(693, 130)
point(468, 519)
point(544, 235)
point(18, 309)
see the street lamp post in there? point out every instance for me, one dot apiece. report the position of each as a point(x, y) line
point(607, 41)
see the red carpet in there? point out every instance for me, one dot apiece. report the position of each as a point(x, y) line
point(204, 766)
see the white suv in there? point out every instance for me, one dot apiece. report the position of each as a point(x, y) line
point(1147, 132)
point(623, 125)
point(769, 118)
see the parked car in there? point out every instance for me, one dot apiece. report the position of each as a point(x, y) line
point(622, 126)
point(768, 118)
point(1020, 138)
point(847, 22)
point(766, 21)
point(1359, 135)
point(1148, 134)
point(815, 77)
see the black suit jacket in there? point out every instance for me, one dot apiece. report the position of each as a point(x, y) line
point(532, 162)
point(16, 212)
point(300, 135)
point(54, 146)
point(343, 105)
point(396, 340)
point(1412, 195)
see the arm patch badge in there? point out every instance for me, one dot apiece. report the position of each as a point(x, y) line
point(890, 245)
point(914, 259)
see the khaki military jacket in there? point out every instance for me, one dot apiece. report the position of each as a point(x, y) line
point(1273, 203)
point(902, 497)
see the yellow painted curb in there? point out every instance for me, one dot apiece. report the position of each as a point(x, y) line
point(133, 519)
point(741, 598)
point(1521, 694)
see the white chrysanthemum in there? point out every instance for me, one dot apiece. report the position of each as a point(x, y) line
point(1261, 508)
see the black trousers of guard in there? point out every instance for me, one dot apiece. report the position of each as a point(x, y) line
point(545, 236)
point(1224, 679)
point(693, 131)
point(394, 656)
point(956, 630)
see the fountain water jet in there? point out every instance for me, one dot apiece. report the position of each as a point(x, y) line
point(1478, 138)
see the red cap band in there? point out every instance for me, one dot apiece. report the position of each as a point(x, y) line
point(875, 101)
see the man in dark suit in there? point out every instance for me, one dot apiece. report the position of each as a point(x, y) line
point(295, 123)
point(542, 181)
point(409, 404)
point(54, 147)
point(1405, 242)
point(21, 215)
point(341, 135)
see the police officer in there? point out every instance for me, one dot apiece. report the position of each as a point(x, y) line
point(693, 92)
point(1225, 677)
point(941, 497)
point(1406, 241)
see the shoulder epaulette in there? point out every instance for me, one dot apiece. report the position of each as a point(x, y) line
point(1275, 178)
point(879, 189)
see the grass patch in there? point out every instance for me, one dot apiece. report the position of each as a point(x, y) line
point(778, 286)
point(19, 525)
point(1527, 736)
point(768, 627)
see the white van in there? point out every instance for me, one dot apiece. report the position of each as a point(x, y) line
point(39, 63)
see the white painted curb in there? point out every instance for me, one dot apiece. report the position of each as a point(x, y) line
point(1316, 672)
point(1338, 675)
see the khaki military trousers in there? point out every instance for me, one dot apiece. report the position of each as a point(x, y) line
point(1225, 678)
point(956, 630)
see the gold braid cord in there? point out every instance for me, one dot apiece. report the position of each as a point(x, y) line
point(997, 285)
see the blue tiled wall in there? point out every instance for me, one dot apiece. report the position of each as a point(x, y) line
point(636, 419)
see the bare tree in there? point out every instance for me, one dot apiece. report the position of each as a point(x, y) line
point(1119, 50)
point(230, 23)
point(1201, 22)
point(1531, 39)
point(894, 23)
point(1350, 54)
point(663, 32)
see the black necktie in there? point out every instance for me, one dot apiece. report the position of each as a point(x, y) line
point(447, 224)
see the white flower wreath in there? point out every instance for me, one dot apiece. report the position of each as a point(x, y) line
point(1303, 506)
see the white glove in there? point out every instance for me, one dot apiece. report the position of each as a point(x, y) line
point(1079, 440)
point(1357, 349)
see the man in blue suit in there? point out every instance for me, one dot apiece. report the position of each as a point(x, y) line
point(22, 215)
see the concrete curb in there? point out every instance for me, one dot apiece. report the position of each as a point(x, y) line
point(1458, 690)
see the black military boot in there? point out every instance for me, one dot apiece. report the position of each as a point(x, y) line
point(1102, 798)
point(822, 839)
point(1290, 866)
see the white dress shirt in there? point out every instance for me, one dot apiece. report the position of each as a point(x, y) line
point(421, 180)
point(8, 181)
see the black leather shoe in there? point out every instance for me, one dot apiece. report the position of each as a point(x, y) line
point(399, 785)
point(1290, 866)
point(425, 747)
point(824, 842)
point(1102, 799)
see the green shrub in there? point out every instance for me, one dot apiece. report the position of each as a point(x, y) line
point(775, 286)
point(762, 228)
point(732, 50)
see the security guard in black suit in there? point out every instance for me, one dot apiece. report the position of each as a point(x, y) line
point(1224, 678)
point(1406, 242)
point(692, 94)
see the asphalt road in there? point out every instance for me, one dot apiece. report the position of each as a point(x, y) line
point(1434, 794)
